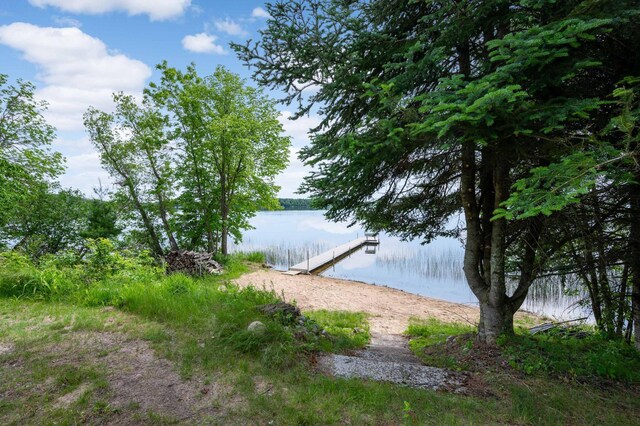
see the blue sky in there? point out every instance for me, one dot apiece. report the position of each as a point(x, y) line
point(78, 52)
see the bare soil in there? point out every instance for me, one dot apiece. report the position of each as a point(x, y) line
point(139, 381)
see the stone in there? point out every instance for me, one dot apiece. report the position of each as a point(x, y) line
point(285, 312)
point(256, 327)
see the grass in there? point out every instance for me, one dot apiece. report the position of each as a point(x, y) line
point(584, 358)
point(199, 324)
point(349, 330)
point(552, 353)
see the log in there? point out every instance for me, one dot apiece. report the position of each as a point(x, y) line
point(192, 263)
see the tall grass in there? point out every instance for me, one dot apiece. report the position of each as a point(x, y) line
point(210, 313)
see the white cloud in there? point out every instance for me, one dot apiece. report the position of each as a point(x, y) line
point(78, 70)
point(66, 21)
point(259, 12)
point(157, 10)
point(83, 169)
point(84, 172)
point(298, 129)
point(202, 43)
point(230, 27)
point(291, 178)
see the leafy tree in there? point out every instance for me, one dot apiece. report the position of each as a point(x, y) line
point(231, 149)
point(26, 162)
point(54, 220)
point(102, 217)
point(134, 150)
point(431, 107)
point(196, 159)
point(603, 178)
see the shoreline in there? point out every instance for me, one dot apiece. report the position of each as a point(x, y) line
point(390, 309)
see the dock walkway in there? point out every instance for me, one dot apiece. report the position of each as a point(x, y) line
point(327, 258)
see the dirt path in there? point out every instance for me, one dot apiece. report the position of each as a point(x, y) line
point(390, 309)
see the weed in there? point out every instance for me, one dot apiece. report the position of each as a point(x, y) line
point(558, 354)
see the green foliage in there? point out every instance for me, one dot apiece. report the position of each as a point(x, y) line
point(433, 108)
point(54, 221)
point(67, 276)
point(252, 256)
point(26, 161)
point(551, 188)
point(564, 355)
point(20, 278)
point(101, 220)
point(103, 260)
point(197, 160)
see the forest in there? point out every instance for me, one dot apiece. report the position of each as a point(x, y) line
point(297, 204)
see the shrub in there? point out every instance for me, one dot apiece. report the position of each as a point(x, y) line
point(20, 278)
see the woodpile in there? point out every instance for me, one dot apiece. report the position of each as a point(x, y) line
point(191, 263)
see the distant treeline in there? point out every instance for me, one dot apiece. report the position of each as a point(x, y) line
point(297, 204)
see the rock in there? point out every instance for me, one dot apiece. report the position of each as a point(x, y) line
point(256, 327)
point(285, 312)
point(407, 374)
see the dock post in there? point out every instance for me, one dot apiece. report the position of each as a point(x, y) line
point(288, 258)
point(307, 261)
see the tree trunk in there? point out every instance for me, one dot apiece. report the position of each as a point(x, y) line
point(496, 310)
point(224, 214)
point(495, 320)
point(156, 248)
point(634, 255)
point(622, 301)
point(162, 207)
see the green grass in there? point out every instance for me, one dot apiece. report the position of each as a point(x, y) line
point(199, 324)
point(431, 331)
point(581, 358)
point(551, 353)
point(349, 330)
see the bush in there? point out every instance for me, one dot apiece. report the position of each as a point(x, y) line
point(20, 278)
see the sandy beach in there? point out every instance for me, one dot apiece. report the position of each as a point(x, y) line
point(390, 309)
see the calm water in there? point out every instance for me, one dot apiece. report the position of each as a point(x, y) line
point(434, 270)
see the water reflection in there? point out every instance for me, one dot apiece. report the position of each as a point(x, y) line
point(433, 270)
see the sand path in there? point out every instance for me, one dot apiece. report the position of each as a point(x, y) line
point(390, 309)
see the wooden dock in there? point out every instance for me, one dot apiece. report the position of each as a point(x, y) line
point(324, 260)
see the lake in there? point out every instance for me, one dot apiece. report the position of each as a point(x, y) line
point(434, 270)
